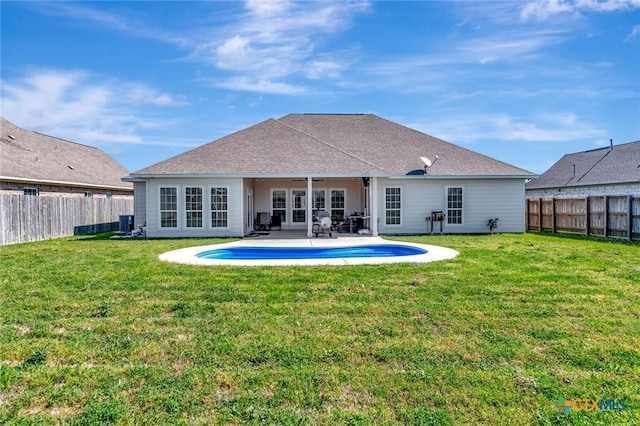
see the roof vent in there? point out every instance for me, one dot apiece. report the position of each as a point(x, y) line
point(11, 137)
point(70, 166)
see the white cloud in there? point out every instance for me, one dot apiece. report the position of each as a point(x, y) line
point(78, 106)
point(556, 127)
point(277, 41)
point(109, 20)
point(543, 9)
point(633, 34)
point(267, 86)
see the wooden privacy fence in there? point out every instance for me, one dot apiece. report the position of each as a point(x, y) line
point(610, 216)
point(25, 218)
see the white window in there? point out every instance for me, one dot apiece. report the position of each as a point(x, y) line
point(454, 205)
point(219, 207)
point(299, 205)
point(168, 207)
point(31, 191)
point(193, 206)
point(392, 205)
point(279, 204)
point(338, 201)
point(318, 199)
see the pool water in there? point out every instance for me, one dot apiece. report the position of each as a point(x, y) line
point(255, 253)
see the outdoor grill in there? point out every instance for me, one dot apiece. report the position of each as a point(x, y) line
point(436, 216)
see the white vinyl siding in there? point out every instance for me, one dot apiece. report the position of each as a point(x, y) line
point(482, 199)
point(140, 203)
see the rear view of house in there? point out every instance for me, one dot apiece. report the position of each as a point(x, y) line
point(394, 179)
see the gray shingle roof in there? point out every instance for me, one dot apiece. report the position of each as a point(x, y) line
point(620, 164)
point(330, 144)
point(32, 156)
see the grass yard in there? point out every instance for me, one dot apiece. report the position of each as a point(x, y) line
point(96, 331)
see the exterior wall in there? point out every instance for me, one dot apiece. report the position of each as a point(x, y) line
point(354, 194)
point(483, 199)
point(139, 204)
point(583, 191)
point(7, 187)
point(235, 201)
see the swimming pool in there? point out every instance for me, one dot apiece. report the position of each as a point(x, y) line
point(257, 253)
point(310, 251)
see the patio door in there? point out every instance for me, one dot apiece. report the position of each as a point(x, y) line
point(249, 209)
point(298, 206)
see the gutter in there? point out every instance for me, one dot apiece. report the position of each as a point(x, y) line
point(64, 183)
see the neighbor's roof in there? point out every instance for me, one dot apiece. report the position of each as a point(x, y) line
point(610, 165)
point(29, 156)
point(329, 145)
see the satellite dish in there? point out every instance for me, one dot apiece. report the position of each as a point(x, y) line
point(325, 222)
point(426, 161)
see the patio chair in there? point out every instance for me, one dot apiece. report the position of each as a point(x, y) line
point(263, 221)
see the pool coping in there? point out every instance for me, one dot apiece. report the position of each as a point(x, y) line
point(188, 255)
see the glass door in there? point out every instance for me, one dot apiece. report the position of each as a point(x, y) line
point(298, 206)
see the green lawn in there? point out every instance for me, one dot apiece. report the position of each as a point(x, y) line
point(97, 331)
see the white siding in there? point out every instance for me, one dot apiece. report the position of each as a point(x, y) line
point(139, 203)
point(483, 199)
point(235, 208)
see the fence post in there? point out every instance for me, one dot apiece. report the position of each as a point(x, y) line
point(540, 214)
point(606, 216)
point(629, 217)
point(587, 220)
point(553, 215)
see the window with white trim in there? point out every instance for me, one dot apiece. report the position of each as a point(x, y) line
point(392, 205)
point(298, 205)
point(168, 207)
point(219, 207)
point(279, 204)
point(193, 206)
point(454, 205)
point(31, 191)
point(338, 201)
point(88, 194)
point(318, 199)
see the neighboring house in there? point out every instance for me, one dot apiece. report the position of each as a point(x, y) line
point(32, 163)
point(613, 170)
point(341, 163)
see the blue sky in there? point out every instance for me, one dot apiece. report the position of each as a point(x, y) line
point(521, 81)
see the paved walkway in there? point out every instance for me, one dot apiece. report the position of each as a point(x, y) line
point(188, 255)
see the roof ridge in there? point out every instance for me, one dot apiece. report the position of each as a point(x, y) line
point(331, 146)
